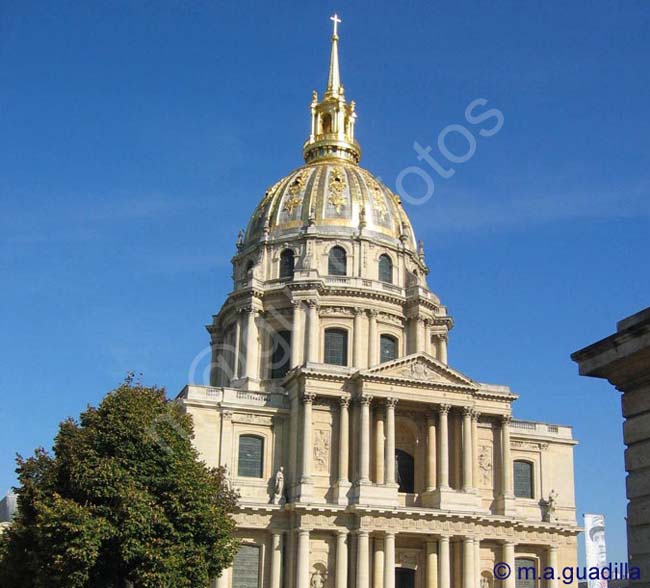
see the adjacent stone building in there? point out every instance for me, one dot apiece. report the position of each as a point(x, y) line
point(624, 359)
point(363, 458)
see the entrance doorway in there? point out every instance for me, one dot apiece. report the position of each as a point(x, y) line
point(404, 578)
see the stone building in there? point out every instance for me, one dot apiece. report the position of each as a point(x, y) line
point(624, 360)
point(362, 457)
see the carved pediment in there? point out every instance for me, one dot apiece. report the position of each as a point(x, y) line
point(419, 367)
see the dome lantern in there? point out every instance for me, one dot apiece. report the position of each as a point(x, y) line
point(332, 118)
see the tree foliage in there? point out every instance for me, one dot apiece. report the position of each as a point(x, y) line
point(123, 497)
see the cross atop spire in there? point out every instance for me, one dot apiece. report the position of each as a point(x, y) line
point(334, 77)
point(336, 20)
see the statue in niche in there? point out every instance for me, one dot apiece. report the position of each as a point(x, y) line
point(319, 577)
point(278, 487)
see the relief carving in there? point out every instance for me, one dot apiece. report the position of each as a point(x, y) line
point(485, 465)
point(321, 450)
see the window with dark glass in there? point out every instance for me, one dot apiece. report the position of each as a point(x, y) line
point(251, 456)
point(387, 348)
point(280, 353)
point(385, 269)
point(523, 479)
point(246, 567)
point(526, 572)
point(405, 470)
point(336, 347)
point(286, 264)
point(337, 263)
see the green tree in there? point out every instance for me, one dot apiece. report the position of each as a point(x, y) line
point(124, 497)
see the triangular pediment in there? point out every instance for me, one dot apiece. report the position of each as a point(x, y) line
point(421, 368)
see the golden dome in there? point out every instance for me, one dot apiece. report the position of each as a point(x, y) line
point(334, 198)
point(331, 195)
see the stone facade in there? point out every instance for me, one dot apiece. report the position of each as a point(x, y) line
point(362, 457)
point(624, 359)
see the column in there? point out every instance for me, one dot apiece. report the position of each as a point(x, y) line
point(379, 448)
point(293, 441)
point(358, 349)
point(307, 448)
point(341, 559)
point(297, 338)
point(313, 321)
point(443, 448)
point(477, 561)
point(467, 449)
point(237, 359)
point(302, 563)
point(431, 453)
point(389, 560)
point(419, 334)
point(372, 339)
point(468, 563)
point(444, 563)
point(276, 559)
point(364, 439)
point(223, 581)
point(344, 437)
point(432, 565)
point(443, 349)
point(551, 559)
point(475, 471)
point(252, 346)
point(378, 563)
point(363, 553)
point(389, 454)
point(506, 465)
point(427, 336)
point(509, 558)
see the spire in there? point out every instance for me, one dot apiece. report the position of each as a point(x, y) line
point(334, 77)
point(333, 118)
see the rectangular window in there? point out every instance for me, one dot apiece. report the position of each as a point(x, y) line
point(281, 353)
point(523, 479)
point(246, 567)
point(336, 347)
point(251, 456)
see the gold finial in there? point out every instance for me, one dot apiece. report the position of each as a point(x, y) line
point(332, 118)
point(334, 77)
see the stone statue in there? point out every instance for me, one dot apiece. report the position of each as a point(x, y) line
point(278, 488)
point(550, 504)
point(485, 583)
point(240, 239)
point(317, 580)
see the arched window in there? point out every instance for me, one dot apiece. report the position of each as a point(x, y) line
point(336, 347)
point(523, 478)
point(405, 470)
point(251, 456)
point(280, 353)
point(249, 265)
point(525, 572)
point(385, 269)
point(286, 264)
point(337, 262)
point(246, 567)
point(387, 348)
point(327, 123)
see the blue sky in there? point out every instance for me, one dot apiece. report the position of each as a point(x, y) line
point(137, 137)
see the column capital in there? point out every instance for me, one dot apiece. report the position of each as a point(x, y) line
point(344, 402)
point(476, 415)
point(365, 399)
point(362, 532)
point(308, 397)
point(389, 533)
point(444, 408)
point(391, 402)
point(467, 411)
point(312, 303)
point(372, 313)
point(506, 419)
point(342, 532)
point(358, 311)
